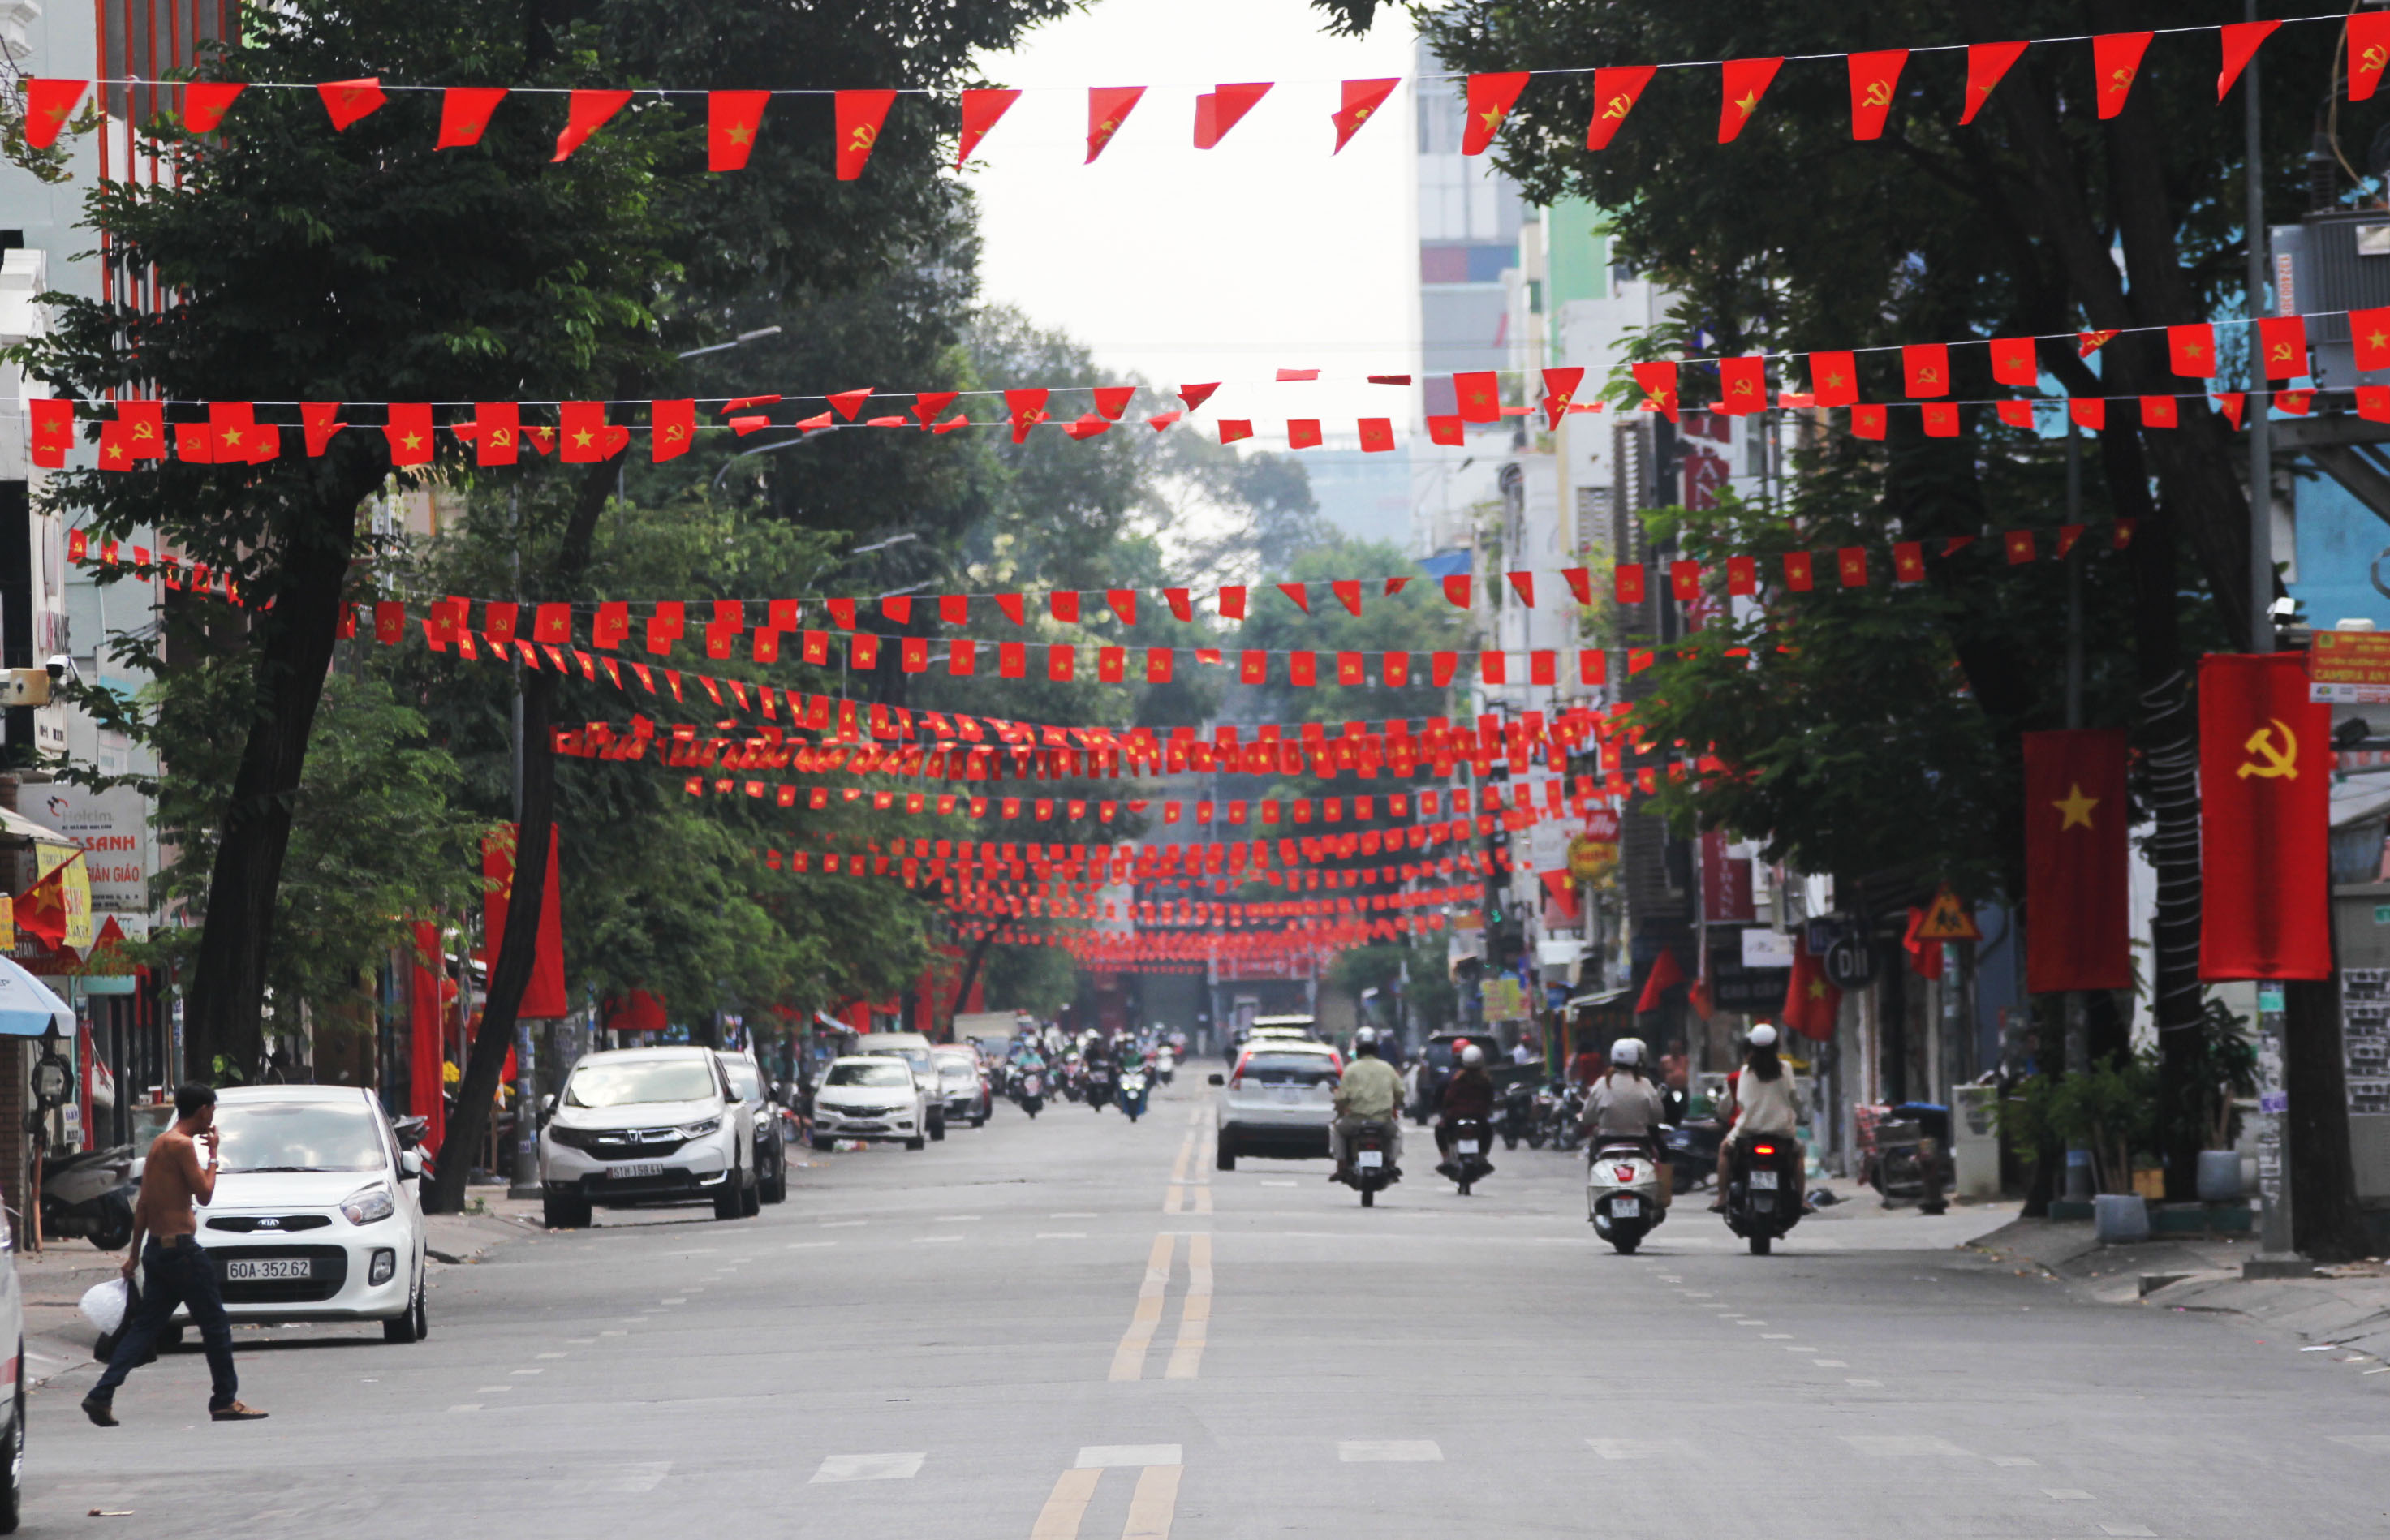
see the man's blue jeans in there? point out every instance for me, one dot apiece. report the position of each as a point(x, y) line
point(174, 1273)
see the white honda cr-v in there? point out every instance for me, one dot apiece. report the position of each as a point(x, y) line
point(637, 1126)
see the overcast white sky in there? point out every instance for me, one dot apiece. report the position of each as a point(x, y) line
point(1189, 266)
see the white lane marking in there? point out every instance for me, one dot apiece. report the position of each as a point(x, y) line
point(580, 1341)
point(467, 1406)
point(1670, 1278)
point(1775, 1336)
point(1900, 1445)
point(555, 1355)
point(1276, 1183)
point(1876, 1385)
point(1997, 1459)
point(842, 1224)
point(613, 1334)
point(1062, 1235)
point(1389, 1451)
point(867, 1468)
point(1641, 1448)
point(526, 1371)
point(491, 1390)
point(1075, 1214)
point(933, 1239)
point(809, 1245)
point(682, 1299)
point(1098, 1457)
point(958, 1219)
point(1800, 1350)
point(2066, 1494)
point(1832, 1363)
point(2126, 1529)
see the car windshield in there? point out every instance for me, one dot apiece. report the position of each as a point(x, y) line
point(888, 1076)
point(622, 1083)
point(300, 1135)
point(1291, 1068)
point(746, 1084)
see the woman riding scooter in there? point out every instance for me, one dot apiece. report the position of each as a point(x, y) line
point(1625, 1108)
point(1759, 1101)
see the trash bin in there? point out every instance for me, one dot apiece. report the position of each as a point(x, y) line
point(2119, 1218)
point(2219, 1176)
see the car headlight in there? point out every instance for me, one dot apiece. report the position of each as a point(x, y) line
point(700, 1129)
point(368, 1205)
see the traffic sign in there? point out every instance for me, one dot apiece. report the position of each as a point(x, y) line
point(1949, 920)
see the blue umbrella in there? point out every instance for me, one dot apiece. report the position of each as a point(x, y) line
point(28, 1006)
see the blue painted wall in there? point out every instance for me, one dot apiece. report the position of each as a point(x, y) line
point(2339, 538)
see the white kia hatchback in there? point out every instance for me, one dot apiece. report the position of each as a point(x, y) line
point(315, 1216)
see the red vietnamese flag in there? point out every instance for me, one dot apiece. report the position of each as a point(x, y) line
point(1377, 434)
point(859, 115)
point(1986, 62)
point(2240, 40)
point(543, 996)
point(206, 102)
point(2076, 861)
point(1873, 79)
point(1744, 80)
point(348, 100)
point(54, 420)
point(585, 112)
point(320, 420)
point(1457, 591)
point(2265, 775)
point(2159, 412)
point(2369, 50)
point(1925, 368)
point(1220, 109)
point(1743, 385)
point(2191, 350)
point(48, 104)
point(2368, 330)
point(1107, 108)
point(464, 114)
point(1909, 561)
point(2013, 362)
point(1811, 1001)
point(1799, 571)
point(1658, 381)
point(1490, 99)
point(1869, 423)
point(1666, 973)
point(1362, 97)
point(1480, 396)
point(2115, 63)
point(409, 431)
point(1835, 379)
point(732, 119)
point(1616, 92)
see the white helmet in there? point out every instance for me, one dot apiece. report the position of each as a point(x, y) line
point(1626, 1052)
point(1763, 1036)
point(1473, 1055)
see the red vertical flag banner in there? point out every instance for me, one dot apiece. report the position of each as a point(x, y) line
point(2265, 779)
point(2076, 862)
point(1811, 1001)
point(428, 994)
point(1743, 385)
point(544, 997)
point(585, 112)
point(2369, 50)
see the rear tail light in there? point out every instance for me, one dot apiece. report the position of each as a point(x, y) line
point(1625, 1173)
point(1236, 1082)
point(1763, 1149)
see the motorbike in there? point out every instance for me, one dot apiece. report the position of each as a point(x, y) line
point(1132, 1094)
point(1468, 1164)
point(1561, 1127)
point(1622, 1193)
point(1165, 1064)
point(91, 1195)
point(1099, 1086)
point(1763, 1194)
point(1692, 1151)
point(1075, 1080)
point(1373, 1170)
point(1540, 1113)
point(1029, 1090)
point(1514, 1115)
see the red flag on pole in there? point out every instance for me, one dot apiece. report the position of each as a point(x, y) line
point(2076, 861)
point(543, 996)
point(1811, 1001)
point(2265, 777)
point(1665, 974)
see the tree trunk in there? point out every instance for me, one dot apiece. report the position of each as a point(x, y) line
point(970, 970)
point(486, 1060)
point(223, 1013)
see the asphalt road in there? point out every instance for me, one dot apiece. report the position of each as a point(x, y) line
point(1077, 1327)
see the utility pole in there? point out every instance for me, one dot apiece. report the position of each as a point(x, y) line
point(2078, 1031)
point(526, 1163)
point(2277, 1250)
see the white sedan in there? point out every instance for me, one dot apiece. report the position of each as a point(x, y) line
point(315, 1216)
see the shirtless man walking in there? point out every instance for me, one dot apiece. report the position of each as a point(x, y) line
point(176, 1269)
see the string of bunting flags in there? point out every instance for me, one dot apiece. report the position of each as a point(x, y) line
point(735, 119)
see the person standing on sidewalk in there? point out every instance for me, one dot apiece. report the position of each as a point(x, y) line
point(174, 1266)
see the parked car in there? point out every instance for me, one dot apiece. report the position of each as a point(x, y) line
point(748, 1083)
point(963, 1084)
point(914, 1049)
point(870, 1096)
point(317, 1215)
point(1277, 1101)
point(637, 1126)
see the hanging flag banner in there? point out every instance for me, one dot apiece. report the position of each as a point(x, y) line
point(2077, 863)
point(2265, 775)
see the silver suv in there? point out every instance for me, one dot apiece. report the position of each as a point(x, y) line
point(639, 1127)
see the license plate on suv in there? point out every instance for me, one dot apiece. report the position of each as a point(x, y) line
point(637, 1168)
point(267, 1269)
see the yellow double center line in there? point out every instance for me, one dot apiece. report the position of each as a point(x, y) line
point(1128, 1361)
point(1191, 1192)
point(1152, 1507)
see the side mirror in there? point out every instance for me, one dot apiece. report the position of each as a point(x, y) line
point(410, 1165)
point(1219, 1080)
point(548, 1104)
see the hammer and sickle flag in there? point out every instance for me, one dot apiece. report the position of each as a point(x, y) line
point(2115, 63)
point(1362, 97)
point(2369, 50)
point(1107, 108)
point(1616, 92)
point(860, 115)
point(672, 428)
point(2265, 778)
point(1873, 78)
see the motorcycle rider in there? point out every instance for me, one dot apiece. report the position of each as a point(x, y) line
point(1626, 1106)
point(1369, 1091)
point(1469, 1094)
point(1759, 1100)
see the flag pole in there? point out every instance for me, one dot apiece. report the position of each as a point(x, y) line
point(2078, 1031)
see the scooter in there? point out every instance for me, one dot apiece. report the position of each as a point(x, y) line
point(91, 1195)
point(1373, 1170)
point(1099, 1086)
point(1132, 1094)
point(1165, 1064)
point(1468, 1165)
point(1692, 1151)
point(1763, 1195)
point(1029, 1089)
point(1514, 1115)
point(1622, 1193)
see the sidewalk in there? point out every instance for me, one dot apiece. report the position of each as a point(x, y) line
point(57, 1340)
point(2345, 1307)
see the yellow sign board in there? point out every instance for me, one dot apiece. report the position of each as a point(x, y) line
point(2349, 666)
point(1949, 920)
